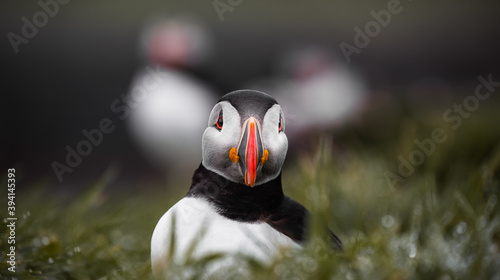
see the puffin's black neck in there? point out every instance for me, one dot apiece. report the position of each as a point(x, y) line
point(237, 201)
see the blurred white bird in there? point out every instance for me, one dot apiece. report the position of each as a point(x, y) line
point(167, 123)
point(317, 92)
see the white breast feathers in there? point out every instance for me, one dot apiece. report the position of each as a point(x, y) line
point(202, 234)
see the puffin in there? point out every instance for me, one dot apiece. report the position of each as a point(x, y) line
point(236, 204)
point(317, 91)
point(174, 49)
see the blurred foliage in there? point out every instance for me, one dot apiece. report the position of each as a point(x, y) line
point(435, 225)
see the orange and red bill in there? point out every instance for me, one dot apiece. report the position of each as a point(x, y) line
point(250, 149)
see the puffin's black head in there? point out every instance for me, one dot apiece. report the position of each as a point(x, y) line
point(245, 139)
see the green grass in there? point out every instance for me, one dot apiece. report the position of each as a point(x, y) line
point(443, 222)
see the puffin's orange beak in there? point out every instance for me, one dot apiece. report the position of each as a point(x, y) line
point(250, 152)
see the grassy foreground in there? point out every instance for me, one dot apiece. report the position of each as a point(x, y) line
point(435, 225)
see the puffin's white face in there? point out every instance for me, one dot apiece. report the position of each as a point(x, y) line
point(244, 142)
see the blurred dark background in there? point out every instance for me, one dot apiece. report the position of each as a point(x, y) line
point(66, 77)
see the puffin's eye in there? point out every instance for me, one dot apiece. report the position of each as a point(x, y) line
point(280, 126)
point(219, 122)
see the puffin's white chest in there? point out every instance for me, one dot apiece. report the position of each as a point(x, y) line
point(197, 221)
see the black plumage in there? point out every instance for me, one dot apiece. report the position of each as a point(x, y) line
point(262, 203)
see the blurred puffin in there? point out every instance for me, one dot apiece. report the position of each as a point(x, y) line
point(174, 47)
point(236, 198)
point(317, 91)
